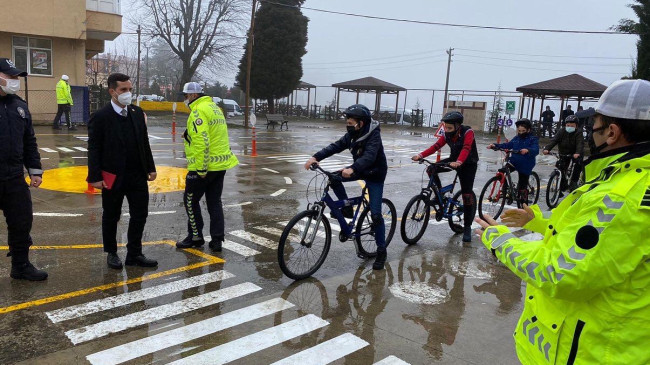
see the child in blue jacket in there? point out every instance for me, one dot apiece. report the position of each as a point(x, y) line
point(524, 162)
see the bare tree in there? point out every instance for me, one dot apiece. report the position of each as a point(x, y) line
point(202, 33)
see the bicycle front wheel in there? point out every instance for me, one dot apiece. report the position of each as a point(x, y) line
point(365, 234)
point(415, 220)
point(493, 198)
point(303, 246)
point(553, 190)
point(533, 188)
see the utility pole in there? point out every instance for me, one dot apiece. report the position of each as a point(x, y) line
point(450, 53)
point(146, 72)
point(137, 77)
point(249, 61)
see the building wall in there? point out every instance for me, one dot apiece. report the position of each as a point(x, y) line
point(52, 18)
point(473, 113)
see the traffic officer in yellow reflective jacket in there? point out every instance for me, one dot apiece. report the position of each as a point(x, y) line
point(587, 295)
point(208, 157)
point(64, 102)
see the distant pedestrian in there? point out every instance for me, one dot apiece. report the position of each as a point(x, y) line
point(120, 163)
point(18, 149)
point(565, 113)
point(208, 157)
point(547, 122)
point(64, 103)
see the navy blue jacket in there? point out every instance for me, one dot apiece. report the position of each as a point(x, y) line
point(17, 140)
point(367, 152)
point(523, 163)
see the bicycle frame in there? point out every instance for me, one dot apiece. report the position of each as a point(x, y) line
point(439, 193)
point(347, 229)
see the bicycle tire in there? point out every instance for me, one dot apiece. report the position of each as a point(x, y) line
point(489, 199)
point(536, 187)
point(553, 190)
point(458, 227)
point(426, 211)
point(284, 244)
point(368, 247)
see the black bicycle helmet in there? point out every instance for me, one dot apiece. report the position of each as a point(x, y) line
point(358, 111)
point(453, 117)
point(571, 119)
point(525, 122)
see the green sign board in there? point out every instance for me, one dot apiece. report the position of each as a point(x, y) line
point(510, 107)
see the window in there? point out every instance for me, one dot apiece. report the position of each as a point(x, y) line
point(33, 55)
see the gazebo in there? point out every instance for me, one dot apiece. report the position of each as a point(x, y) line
point(368, 85)
point(570, 87)
point(303, 86)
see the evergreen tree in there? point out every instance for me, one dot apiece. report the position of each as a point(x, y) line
point(640, 68)
point(280, 39)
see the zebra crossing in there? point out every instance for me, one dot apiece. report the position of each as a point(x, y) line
point(58, 149)
point(159, 342)
point(331, 163)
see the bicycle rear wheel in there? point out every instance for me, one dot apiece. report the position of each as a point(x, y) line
point(493, 198)
point(415, 219)
point(533, 188)
point(365, 241)
point(298, 255)
point(553, 190)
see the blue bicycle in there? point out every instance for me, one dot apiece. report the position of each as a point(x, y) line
point(306, 239)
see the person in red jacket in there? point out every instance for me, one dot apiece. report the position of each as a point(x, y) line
point(464, 158)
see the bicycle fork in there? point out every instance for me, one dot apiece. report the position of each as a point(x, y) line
point(308, 241)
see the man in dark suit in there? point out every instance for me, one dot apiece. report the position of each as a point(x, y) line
point(118, 146)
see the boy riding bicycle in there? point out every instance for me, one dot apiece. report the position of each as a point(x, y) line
point(570, 142)
point(464, 158)
point(363, 139)
point(524, 162)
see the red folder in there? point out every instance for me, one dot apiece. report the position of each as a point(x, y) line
point(109, 179)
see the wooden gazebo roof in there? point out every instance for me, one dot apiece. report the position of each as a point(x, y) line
point(305, 86)
point(369, 84)
point(567, 86)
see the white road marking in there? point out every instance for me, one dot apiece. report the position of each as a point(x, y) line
point(255, 239)
point(296, 159)
point(326, 352)
point(155, 213)
point(289, 156)
point(65, 149)
point(79, 157)
point(255, 342)
point(58, 214)
point(239, 249)
point(135, 349)
point(114, 325)
point(237, 205)
point(270, 230)
point(279, 192)
point(155, 137)
point(99, 305)
point(288, 180)
point(48, 150)
point(45, 158)
point(270, 170)
point(243, 164)
point(392, 360)
point(82, 149)
point(83, 138)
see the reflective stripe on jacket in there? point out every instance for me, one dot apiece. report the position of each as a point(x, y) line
point(587, 296)
point(63, 94)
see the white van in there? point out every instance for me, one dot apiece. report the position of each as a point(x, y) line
point(232, 108)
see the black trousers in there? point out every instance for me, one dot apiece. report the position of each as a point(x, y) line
point(574, 175)
point(63, 108)
point(211, 186)
point(466, 176)
point(137, 195)
point(546, 126)
point(16, 204)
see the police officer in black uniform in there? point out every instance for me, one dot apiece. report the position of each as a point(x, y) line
point(18, 149)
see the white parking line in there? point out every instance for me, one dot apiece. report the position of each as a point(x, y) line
point(155, 213)
point(288, 180)
point(65, 149)
point(239, 249)
point(279, 192)
point(48, 150)
point(99, 305)
point(392, 360)
point(289, 156)
point(79, 157)
point(58, 214)
point(326, 352)
point(135, 349)
point(237, 205)
point(255, 342)
point(82, 149)
point(270, 170)
point(114, 325)
point(255, 239)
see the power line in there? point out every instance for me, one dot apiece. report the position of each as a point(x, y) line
point(387, 68)
point(539, 69)
point(600, 32)
point(375, 64)
point(376, 59)
point(549, 62)
point(542, 55)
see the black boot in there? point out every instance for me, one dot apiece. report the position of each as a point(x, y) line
point(113, 261)
point(467, 234)
point(27, 271)
point(140, 260)
point(468, 216)
point(190, 241)
point(215, 244)
point(380, 260)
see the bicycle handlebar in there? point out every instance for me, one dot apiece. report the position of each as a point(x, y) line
point(506, 150)
point(330, 175)
point(441, 164)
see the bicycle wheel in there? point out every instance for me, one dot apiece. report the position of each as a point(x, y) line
point(366, 239)
point(533, 188)
point(300, 258)
point(457, 213)
point(415, 220)
point(493, 198)
point(553, 190)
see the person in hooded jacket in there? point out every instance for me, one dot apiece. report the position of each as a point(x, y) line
point(464, 158)
point(363, 140)
point(524, 162)
point(571, 146)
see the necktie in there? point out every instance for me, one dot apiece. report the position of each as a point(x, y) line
point(123, 112)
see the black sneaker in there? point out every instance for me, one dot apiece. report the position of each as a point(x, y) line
point(215, 245)
point(113, 261)
point(380, 260)
point(73, 128)
point(189, 242)
point(140, 261)
point(27, 271)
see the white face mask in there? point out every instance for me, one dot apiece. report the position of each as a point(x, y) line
point(187, 102)
point(13, 86)
point(570, 129)
point(125, 98)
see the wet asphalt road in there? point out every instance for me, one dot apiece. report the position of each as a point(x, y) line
point(440, 301)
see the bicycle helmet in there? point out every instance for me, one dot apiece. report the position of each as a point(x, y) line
point(525, 122)
point(358, 111)
point(571, 119)
point(453, 117)
point(626, 99)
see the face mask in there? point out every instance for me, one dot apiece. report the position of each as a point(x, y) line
point(570, 129)
point(187, 102)
point(523, 135)
point(124, 98)
point(352, 131)
point(450, 135)
point(593, 148)
point(13, 86)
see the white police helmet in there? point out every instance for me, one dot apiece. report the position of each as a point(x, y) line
point(626, 99)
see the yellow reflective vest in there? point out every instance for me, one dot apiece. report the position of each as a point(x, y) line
point(206, 138)
point(63, 95)
point(588, 281)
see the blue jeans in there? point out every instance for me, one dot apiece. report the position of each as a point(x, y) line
point(375, 192)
